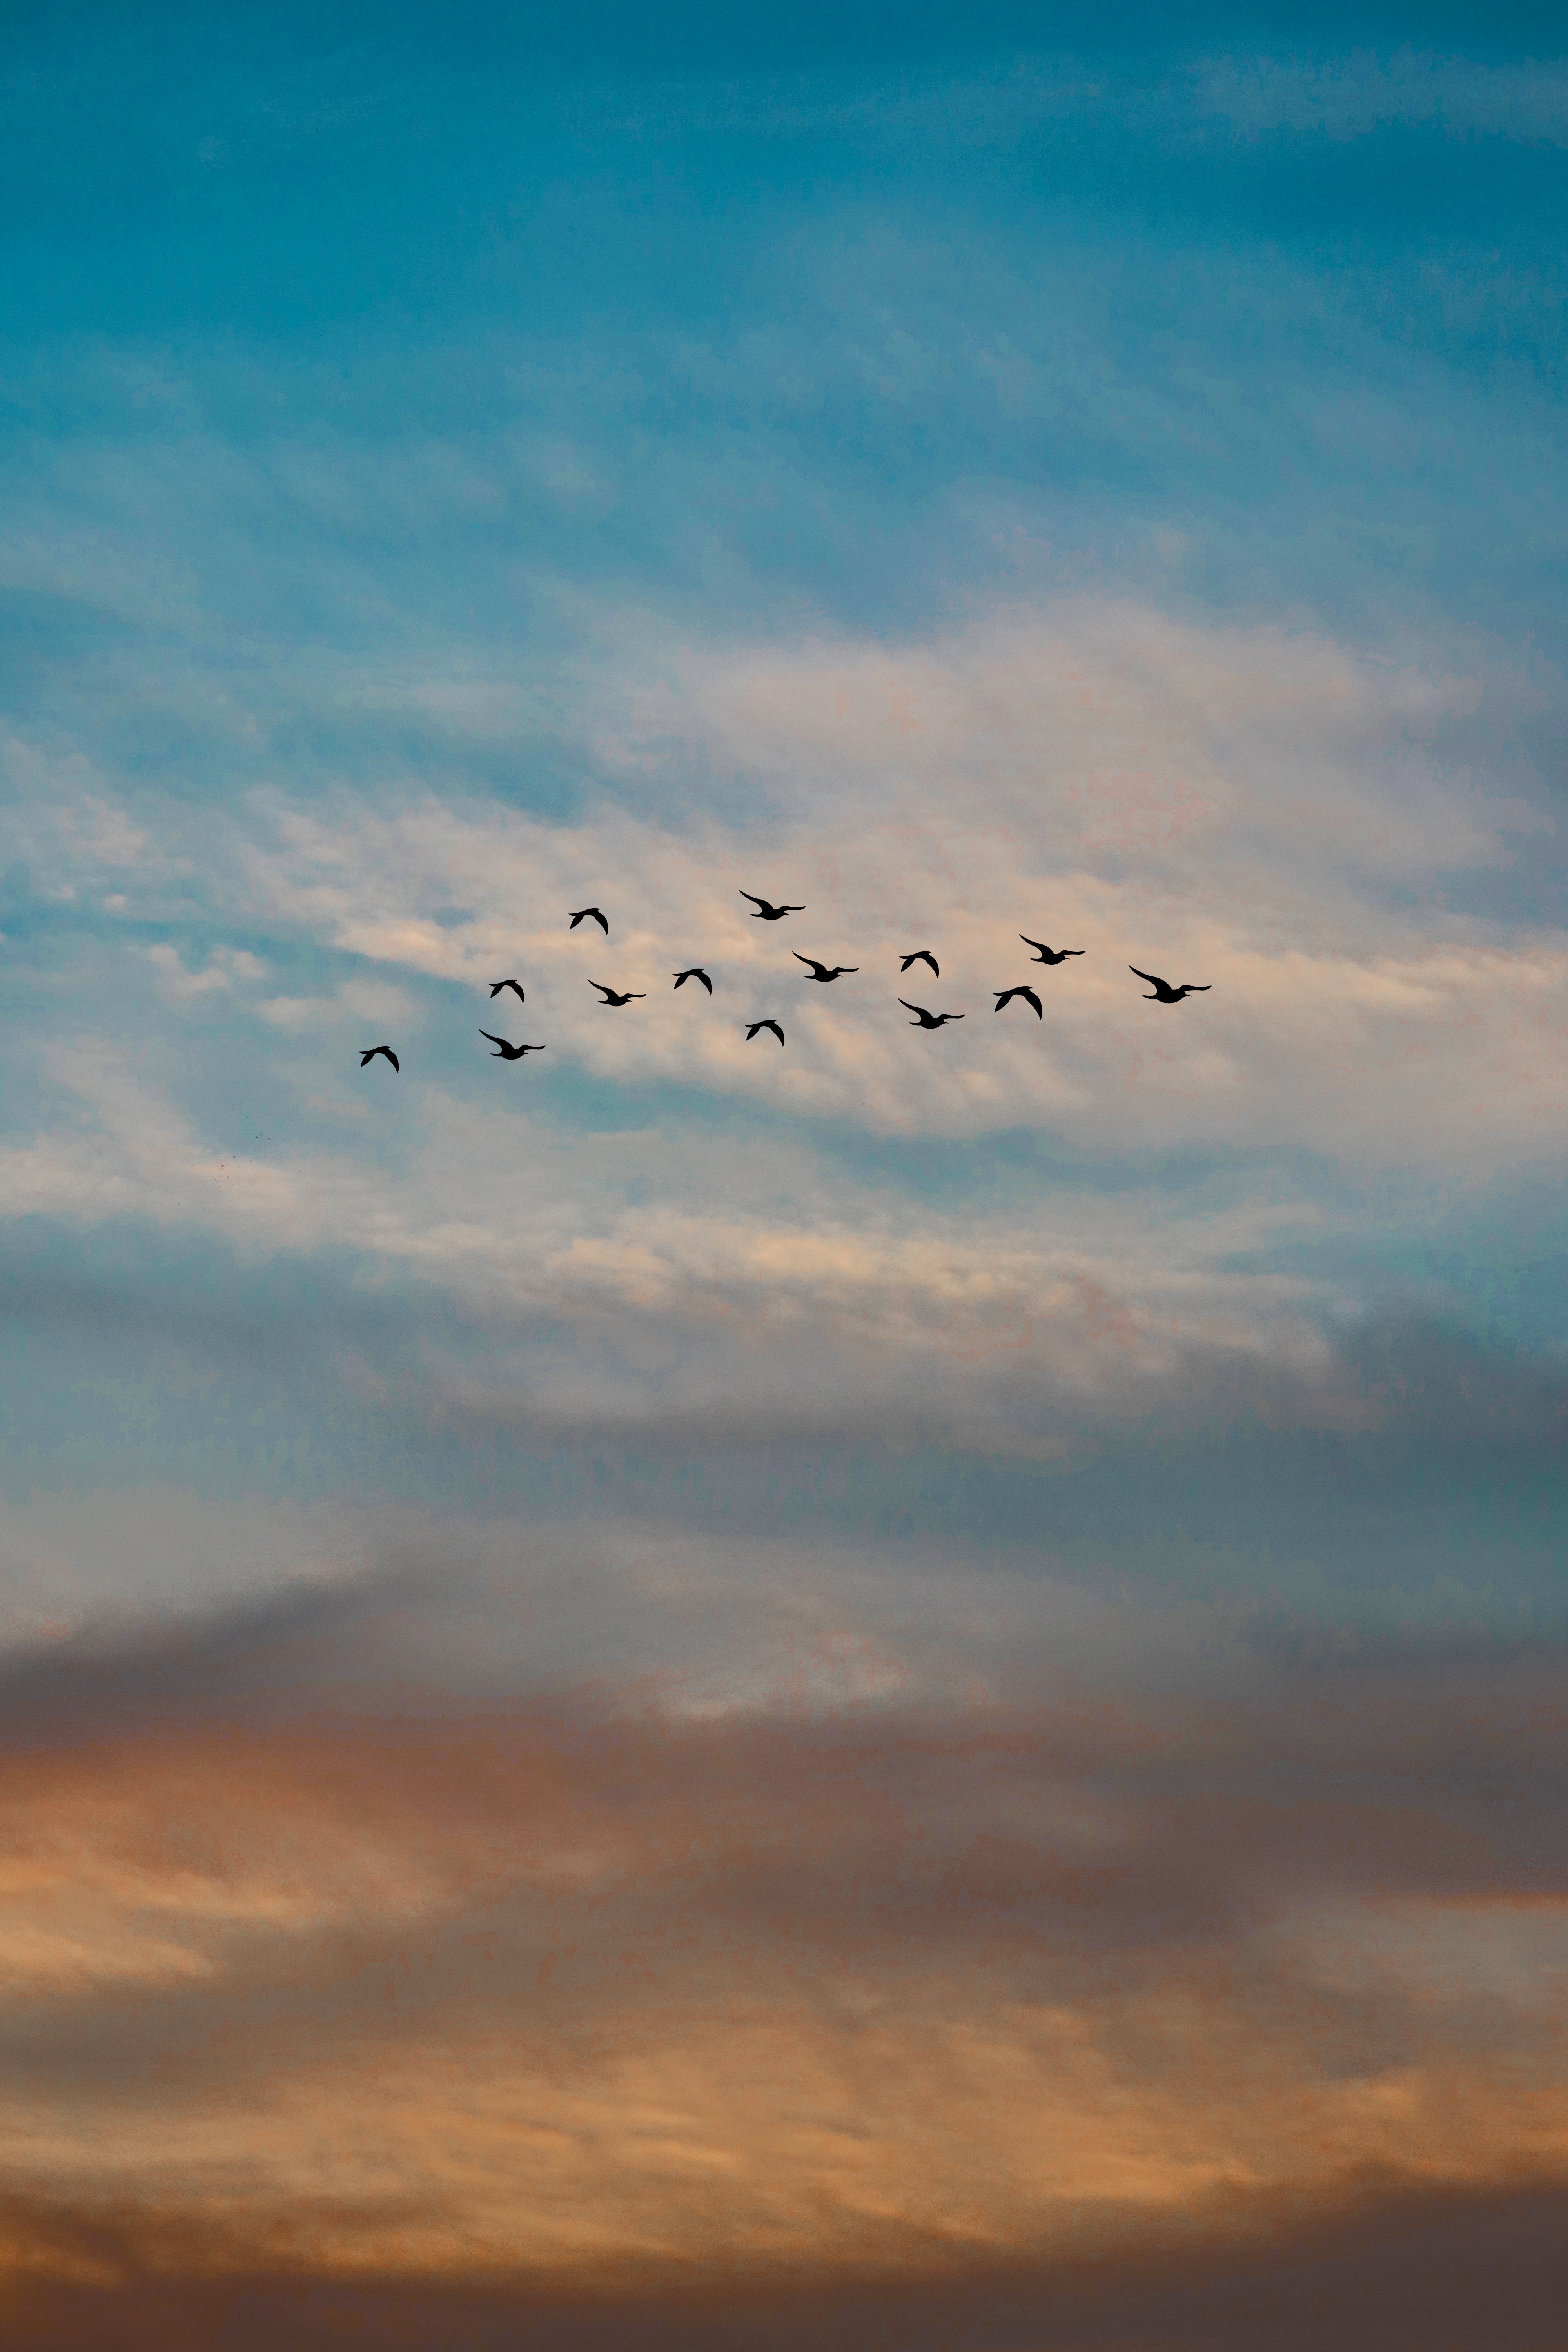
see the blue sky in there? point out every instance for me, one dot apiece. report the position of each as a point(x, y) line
point(488, 443)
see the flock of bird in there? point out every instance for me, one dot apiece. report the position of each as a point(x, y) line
point(1161, 990)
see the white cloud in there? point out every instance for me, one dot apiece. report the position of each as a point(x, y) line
point(1350, 97)
point(223, 969)
point(1245, 808)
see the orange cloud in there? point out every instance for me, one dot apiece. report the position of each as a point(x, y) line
point(570, 1994)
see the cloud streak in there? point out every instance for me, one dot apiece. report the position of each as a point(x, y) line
point(893, 1991)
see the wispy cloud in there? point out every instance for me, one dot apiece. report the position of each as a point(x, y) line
point(1356, 96)
point(630, 2017)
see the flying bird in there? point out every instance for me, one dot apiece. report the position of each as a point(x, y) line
point(695, 972)
point(1166, 994)
point(612, 997)
point(598, 915)
point(1044, 954)
point(507, 1053)
point(924, 1020)
point(515, 986)
point(768, 914)
point(923, 955)
point(820, 971)
point(1005, 995)
point(752, 1026)
point(369, 1053)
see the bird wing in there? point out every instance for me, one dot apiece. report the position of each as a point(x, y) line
point(1199, 988)
point(913, 1008)
point(1153, 980)
point(774, 1025)
point(810, 960)
point(1030, 998)
point(493, 1038)
point(1028, 942)
point(392, 1057)
point(705, 982)
point(755, 902)
point(497, 987)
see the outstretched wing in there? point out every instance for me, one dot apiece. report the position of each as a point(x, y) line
point(756, 902)
point(392, 1057)
point(1152, 978)
point(1030, 998)
point(705, 982)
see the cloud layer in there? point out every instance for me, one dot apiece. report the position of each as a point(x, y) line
point(579, 1990)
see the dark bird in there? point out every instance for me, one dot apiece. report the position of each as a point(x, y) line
point(612, 997)
point(820, 971)
point(598, 915)
point(515, 986)
point(369, 1053)
point(695, 972)
point(507, 1053)
point(1044, 954)
point(923, 955)
point(924, 1020)
point(1005, 995)
point(1166, 994)
point(766, 914)
point(752, 1026)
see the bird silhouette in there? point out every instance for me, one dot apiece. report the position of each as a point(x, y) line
point(369, 1053)
point(821, 971)
point(924, 1020)
point(598, 915)
point(506, 1052)
point(612, 996)
point(1044, 954)
point(515, 986)
point(1166, 994)
point(921, 955)
point(695, 972)
point(770, 914)
point(1005, 995)
point(752, 1026)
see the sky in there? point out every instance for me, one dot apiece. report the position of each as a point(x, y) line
point(905, 1690)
